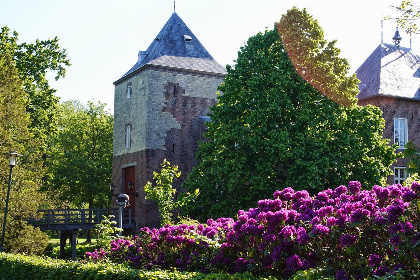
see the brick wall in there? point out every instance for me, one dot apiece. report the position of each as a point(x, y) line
point(400, 108)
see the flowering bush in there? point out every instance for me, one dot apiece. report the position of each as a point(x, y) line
point(349, 232)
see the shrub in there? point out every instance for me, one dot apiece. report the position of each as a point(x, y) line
point(344, 232)
point(19, 267)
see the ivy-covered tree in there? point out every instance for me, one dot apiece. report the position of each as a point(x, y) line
point(272, 129)
point(25, 197)
point(80, 164)
point(33, 61)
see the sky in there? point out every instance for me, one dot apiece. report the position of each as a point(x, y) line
point(103, 37)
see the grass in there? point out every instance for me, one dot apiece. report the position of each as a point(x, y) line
point(55, 241)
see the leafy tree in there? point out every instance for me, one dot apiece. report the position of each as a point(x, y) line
point(28, 173)
point(412, 152)
point(33, 61)
point(409, 13)
point(164, 194)
point(272, 129)
point(81, 159)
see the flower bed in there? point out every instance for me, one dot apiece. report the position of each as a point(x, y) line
point(349, 232)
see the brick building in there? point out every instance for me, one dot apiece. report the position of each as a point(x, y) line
point(160, 106)
point(390, 79)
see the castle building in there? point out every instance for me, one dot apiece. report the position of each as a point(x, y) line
point(160, 107)
point(390, 79)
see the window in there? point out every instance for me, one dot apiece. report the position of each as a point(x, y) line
point(400, 174)
point(129, 90)
point(128, 136)
point(400, 132)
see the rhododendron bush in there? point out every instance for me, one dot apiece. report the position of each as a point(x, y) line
point(352, 233)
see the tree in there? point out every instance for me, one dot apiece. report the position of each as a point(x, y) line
point(164, 194)
point(408, 14)
point(81, 155)
point(28, 173)
point(272, 129)
point(412, 152)
point(33, 61)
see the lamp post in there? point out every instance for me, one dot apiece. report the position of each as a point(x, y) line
point(12, 162)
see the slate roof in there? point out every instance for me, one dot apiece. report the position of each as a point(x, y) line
point(177, 47)
point(390, 71)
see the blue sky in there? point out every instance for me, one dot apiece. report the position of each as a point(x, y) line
point(103, 37)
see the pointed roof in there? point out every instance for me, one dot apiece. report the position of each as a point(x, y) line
point(177, 47)
point(390, 71)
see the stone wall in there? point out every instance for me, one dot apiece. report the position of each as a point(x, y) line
point(164, 111)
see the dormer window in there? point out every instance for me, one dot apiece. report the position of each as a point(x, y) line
point(129, 90)
point(187, 38)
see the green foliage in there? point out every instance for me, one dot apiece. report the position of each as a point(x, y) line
point(33, 61)
point(412, 152)
point(20, 267)
point(271, 129)
point(80, 164)
point(81, 250)
point(106, 230)
point(27, 174)
point(164, 194)
point(311, 274)
point(409, 13)
point(315, 59)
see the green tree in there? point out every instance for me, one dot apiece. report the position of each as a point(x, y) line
point(273, 129)
point(81, 155)
point(412, 152)
point(408, 14)
point(164, 194)
point(33, 61)
point(28, 173)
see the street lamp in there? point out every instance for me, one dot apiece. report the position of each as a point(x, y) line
point(12, 162)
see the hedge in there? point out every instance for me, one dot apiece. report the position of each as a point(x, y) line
point(21, 267)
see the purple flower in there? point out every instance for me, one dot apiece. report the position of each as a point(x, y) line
point(241, 264)
point(415, 186)
point(409, 196)
point(394, 191)
point(383, 194)
point(340, 190)
point(381, 271)
point(324, 211)
point(341, 275)
point(286, 194)
point(347, 240)
point(288, 232)
point(320, 229)
point(301, 236)
point(358, 215)
point(302, 195)
point(354, 187)
point(294, 262)
point(331, 221)
point(395, 240)
point(374, 260)
point(269, 237)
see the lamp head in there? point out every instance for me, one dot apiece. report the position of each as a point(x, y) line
point(12, 157)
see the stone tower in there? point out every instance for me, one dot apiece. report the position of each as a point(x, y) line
point(160, 106)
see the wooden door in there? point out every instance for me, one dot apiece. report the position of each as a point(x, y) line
point(130, 178)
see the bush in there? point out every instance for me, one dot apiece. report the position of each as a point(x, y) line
point(343, 232)
point(19, 267)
